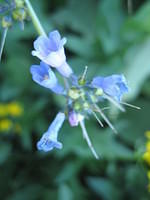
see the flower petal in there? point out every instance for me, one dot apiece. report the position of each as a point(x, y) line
point(114, 85)
point(49, 138)
point(41, 45)
point(44, 76)
point(65, 69)
point(56, 59)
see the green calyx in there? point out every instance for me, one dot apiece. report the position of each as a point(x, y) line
point(6, 22)
point(77, 106)
point(81, 81)
point(99, 92)
point(19, 14)
point(74, 93)
point(86, 105)
point(19, 3)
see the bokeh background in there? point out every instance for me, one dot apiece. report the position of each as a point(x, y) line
point(110, 37)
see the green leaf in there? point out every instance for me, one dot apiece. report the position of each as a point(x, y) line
point(137, 67)
point(65, 192)
point(104, 188)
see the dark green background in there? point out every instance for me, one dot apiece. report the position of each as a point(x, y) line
point(102, 35)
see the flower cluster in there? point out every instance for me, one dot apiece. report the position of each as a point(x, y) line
point(14, 10)
point(82, 96)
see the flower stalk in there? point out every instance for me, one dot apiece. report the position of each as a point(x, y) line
point(35, 19)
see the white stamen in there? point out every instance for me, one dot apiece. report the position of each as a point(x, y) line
point(114, 102)
point(85, 135)
point(130, 105)
point(106, 119)
point(99, 121)
point(84, 73)
point(105, 108)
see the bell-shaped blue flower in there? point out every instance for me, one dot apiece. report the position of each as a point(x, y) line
point(114, 86)
point(49, 138)
point(51, 51)
point(44, 76)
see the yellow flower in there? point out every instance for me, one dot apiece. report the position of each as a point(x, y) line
point(3, 110)
point(147, 134)
point(146, 157)
point(14, 109)
point(5, 124)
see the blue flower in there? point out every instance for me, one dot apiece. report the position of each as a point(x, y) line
point(114, 86)
point(49, 138)
point(51, 51)
point(44, 76)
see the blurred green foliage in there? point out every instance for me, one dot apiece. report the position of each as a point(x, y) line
point(102, 35)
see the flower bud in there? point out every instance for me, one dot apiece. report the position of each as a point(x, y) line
point(6, 21)
point(86, 105)
point(77, 106)
point(19, 3)
point(19, 14)
point(81, 81)
point(99, 92)
point(73, 118)
point(74, 93)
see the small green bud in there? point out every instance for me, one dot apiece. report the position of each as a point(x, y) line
point(19, 14)
point(81, 81)
point(86, 105)
point(6, 22)
point(19, 3)
point(99, 92)
point(74, 93)
point(77, 106)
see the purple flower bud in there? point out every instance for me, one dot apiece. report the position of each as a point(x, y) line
point(73, 118)
point(49, 138)
point(115, 85)
point(44, 76)
point(51, 51)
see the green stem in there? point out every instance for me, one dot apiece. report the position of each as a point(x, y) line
point(3, 42)
point(35, 19)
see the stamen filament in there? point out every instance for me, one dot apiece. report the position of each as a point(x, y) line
point(104, 108)
point(85, 135)
point(105, 118)
point(3, 42)
point(130, 105)
point(114, 102)
point(84, 73)
point(99, 121)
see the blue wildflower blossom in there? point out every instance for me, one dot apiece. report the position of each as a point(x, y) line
point(114, 86)
point(49, 138)
point(44, 76)
point(51, 51)
point(83, 98)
